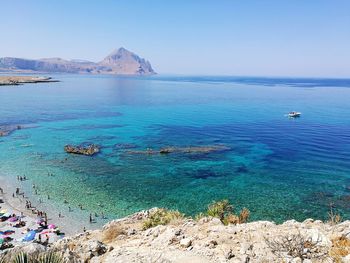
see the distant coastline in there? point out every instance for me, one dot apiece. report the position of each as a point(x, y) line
point(19, 80)
point(119, 62)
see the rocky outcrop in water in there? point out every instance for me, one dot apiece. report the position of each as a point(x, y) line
point(88, 150)
point(6, 130)
point(119, 62)
point(206, 240)
point(183, 150)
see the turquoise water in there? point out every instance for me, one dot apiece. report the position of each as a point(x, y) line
point(277, 167)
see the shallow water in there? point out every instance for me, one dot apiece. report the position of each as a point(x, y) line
point(279, 168)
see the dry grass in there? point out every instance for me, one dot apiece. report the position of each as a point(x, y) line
point(112, 232)
point(244, 215)
point(225, 212)
point(340, 248)
point(162, 216)
point(296, 246)
point(333, 218)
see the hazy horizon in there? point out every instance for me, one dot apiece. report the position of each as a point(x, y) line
point(250, 38)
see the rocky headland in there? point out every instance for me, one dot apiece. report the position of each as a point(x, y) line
point(119, 62)
point(205, 239)
point(18, 80)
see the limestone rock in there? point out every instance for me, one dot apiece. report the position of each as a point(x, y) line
point(186, 242)
point(119, 62)
point(206, 240)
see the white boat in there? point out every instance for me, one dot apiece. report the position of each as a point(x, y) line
point(294, 114)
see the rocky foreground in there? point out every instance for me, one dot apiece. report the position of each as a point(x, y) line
point(203, 240)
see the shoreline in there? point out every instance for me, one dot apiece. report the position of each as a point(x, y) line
point(19, 80)
point(69, 223)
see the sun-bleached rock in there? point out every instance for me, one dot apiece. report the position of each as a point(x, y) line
point(205, 240)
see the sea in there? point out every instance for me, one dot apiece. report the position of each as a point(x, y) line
point(278, 167)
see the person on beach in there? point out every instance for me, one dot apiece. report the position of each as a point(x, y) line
point(84, 229)
point(90, 218)
point(17, 191)
point(1, 190)
point(59, 215)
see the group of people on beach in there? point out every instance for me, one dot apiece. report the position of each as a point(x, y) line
point(39, 231)
point(12, 224)
point(28, 206)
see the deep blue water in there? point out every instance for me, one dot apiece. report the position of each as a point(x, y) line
point(279, 168)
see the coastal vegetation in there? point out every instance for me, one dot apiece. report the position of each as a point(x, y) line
point(162, 216)
point(222, 210)
point(340, 248)
point(225, 212)
point(297, 246)
point(46, 257)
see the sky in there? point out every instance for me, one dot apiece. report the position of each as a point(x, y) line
point(305, 38)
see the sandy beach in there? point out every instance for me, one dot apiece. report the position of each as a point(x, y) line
point(67, 222)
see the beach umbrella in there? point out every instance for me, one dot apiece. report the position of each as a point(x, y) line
point(6, 215)
point(30, 236)
point(7, 232)
point(51, 226)
point(46, 231)
point(13, 219)
point(3, 211)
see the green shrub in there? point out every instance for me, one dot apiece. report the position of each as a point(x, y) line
point(220, 209)
point(200, 216)
point(161, 216)
point(225, 212)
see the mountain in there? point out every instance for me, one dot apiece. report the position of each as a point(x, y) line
point(119, 62)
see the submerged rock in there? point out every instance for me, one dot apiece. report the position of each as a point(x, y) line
point(183, 150)
point(83, 150)
point(7, 129)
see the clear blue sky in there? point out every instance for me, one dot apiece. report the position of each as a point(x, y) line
point(223, 37)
